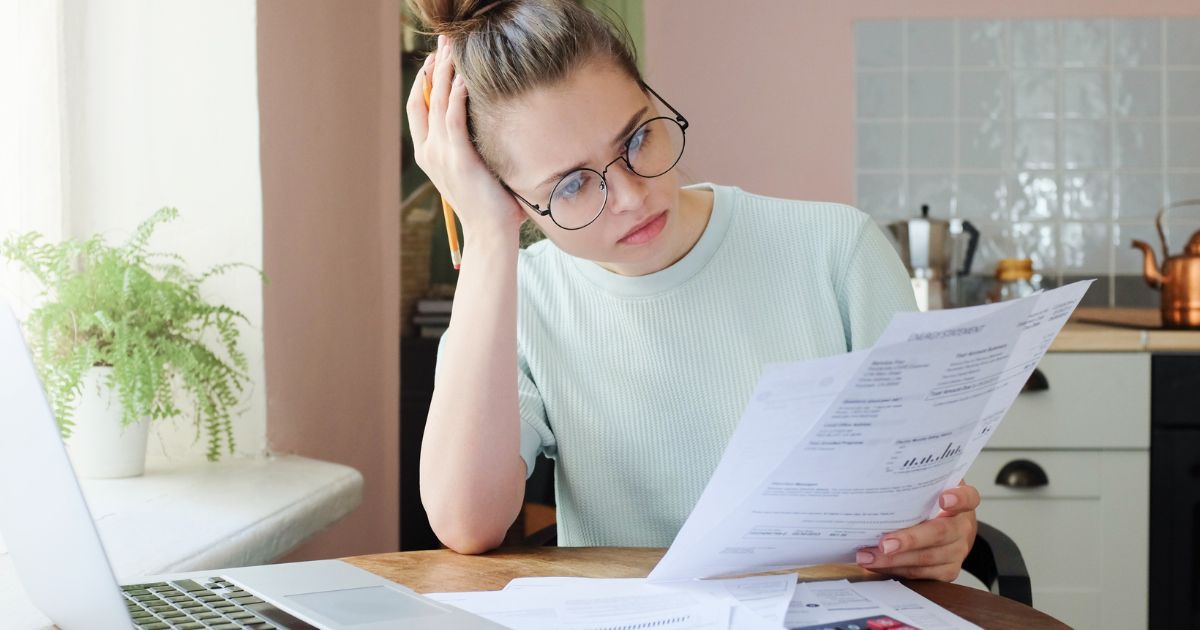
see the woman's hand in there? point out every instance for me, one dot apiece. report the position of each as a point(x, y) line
point(934, 549)
point(444, 150)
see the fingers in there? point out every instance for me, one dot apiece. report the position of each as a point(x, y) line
point(443, 68)
point(964, 498)
point(942, 572)
point(949, 554)
point(418, 113)
point(456, 114)
point(932, 533)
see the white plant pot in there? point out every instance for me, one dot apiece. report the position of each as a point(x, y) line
point(99, 446)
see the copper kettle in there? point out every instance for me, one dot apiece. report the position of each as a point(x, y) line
point(1179, 277)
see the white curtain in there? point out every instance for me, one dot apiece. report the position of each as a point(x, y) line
point(32, 135)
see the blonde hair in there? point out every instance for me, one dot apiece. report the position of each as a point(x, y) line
point(507, 48)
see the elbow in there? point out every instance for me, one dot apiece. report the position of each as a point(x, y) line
point(469, 541)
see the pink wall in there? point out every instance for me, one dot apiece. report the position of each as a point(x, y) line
point(329, 102)
point(769, 85)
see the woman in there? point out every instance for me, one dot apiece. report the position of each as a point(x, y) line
point(635, 332)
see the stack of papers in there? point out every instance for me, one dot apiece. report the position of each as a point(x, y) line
point(768, 602)
point(833, 453)
point(829, 455)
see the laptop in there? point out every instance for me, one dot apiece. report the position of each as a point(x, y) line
point(61, 561)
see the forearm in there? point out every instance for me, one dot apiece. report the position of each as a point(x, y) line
point(472, 475)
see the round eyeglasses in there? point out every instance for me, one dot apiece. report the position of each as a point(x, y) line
point(653, 149)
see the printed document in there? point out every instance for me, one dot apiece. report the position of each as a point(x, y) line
point(833, 453)
point(831, 604)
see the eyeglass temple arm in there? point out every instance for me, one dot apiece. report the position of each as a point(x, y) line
point(682, 121)
point(532, 206)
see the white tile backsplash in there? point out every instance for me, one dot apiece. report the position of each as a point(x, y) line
point(1183, 143)
point(880, 145)
point(882, 195)
point(1035, 93)
point(983, 94)
point(878, 44)
point(1137, 93)
point(982, 197)
point(1085, 93)
point(1032, 196)
point(1183, 41)
point(1183, 186)
point(1137, 42)
point(983, 43)
point(1085, 144)
point(930, 43)
point(930, 94)
point(880, 94)
point(1058, 138)
point(1138, 144)
point(1086, 196)
point(933, 189)
point(1085, 43)
point(982, 143)
point(1085, 248)
point(931, 145)
point(1183, 92)
point(1034, 43)
point(1137, 196)
point(1034, 144)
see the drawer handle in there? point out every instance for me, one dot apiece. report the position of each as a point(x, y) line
point(1037, 382)
point(1020, 474)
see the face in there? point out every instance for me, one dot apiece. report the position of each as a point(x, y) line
point(586, 121)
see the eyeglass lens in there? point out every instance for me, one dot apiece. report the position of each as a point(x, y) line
point(652, 150)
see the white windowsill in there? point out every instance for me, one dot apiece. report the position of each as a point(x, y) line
point(188, 517)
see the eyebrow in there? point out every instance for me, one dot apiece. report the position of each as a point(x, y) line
point(620, 137)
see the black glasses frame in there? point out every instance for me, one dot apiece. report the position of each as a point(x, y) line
point(623, 157)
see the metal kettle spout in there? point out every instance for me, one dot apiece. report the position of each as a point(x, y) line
point(1150, 271)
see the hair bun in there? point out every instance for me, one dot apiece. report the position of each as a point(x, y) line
point(456, 17)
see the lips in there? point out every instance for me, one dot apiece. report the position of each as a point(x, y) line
point(646, 230)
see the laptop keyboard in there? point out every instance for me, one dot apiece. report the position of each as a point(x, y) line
point(190, 605)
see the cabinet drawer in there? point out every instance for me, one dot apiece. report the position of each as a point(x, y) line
point(1094, 400)
point(1084, 535)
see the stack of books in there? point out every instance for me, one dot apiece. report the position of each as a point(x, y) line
point(432, 317)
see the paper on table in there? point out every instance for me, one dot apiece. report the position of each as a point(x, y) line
point(833, 453)
point(759, 601)
point(910, 606)
point(577, 608)
point(817, 603)
point(831, 602)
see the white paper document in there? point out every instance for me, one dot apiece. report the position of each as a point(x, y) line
point(834, 603)
point(833, 453)
point(593, 607)
point(758, 602)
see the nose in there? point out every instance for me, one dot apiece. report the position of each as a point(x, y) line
point(626, 189)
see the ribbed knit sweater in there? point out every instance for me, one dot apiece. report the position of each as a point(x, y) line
point(633, 385)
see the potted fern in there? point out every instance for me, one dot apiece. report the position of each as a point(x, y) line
point(123, 337)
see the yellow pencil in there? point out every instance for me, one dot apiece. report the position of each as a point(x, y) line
point(447, 211)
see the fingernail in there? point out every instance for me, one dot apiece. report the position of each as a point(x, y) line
point(864, 557)
point(949, 500)
point(890, 545)
point(458, 80)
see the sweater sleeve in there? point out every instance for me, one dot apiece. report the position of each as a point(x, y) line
point(873, 287)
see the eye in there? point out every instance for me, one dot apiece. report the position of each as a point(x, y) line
point(570, 185)
point(638, 138)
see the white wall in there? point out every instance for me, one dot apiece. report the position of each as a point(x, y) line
point(163, 110)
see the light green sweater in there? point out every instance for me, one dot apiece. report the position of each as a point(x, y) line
point(633, 385)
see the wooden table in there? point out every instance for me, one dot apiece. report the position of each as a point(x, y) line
point(446, 571)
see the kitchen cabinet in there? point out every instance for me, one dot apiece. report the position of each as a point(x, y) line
point(1067, 476)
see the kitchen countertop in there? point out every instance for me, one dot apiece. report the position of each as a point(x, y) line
point(1122, 330)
